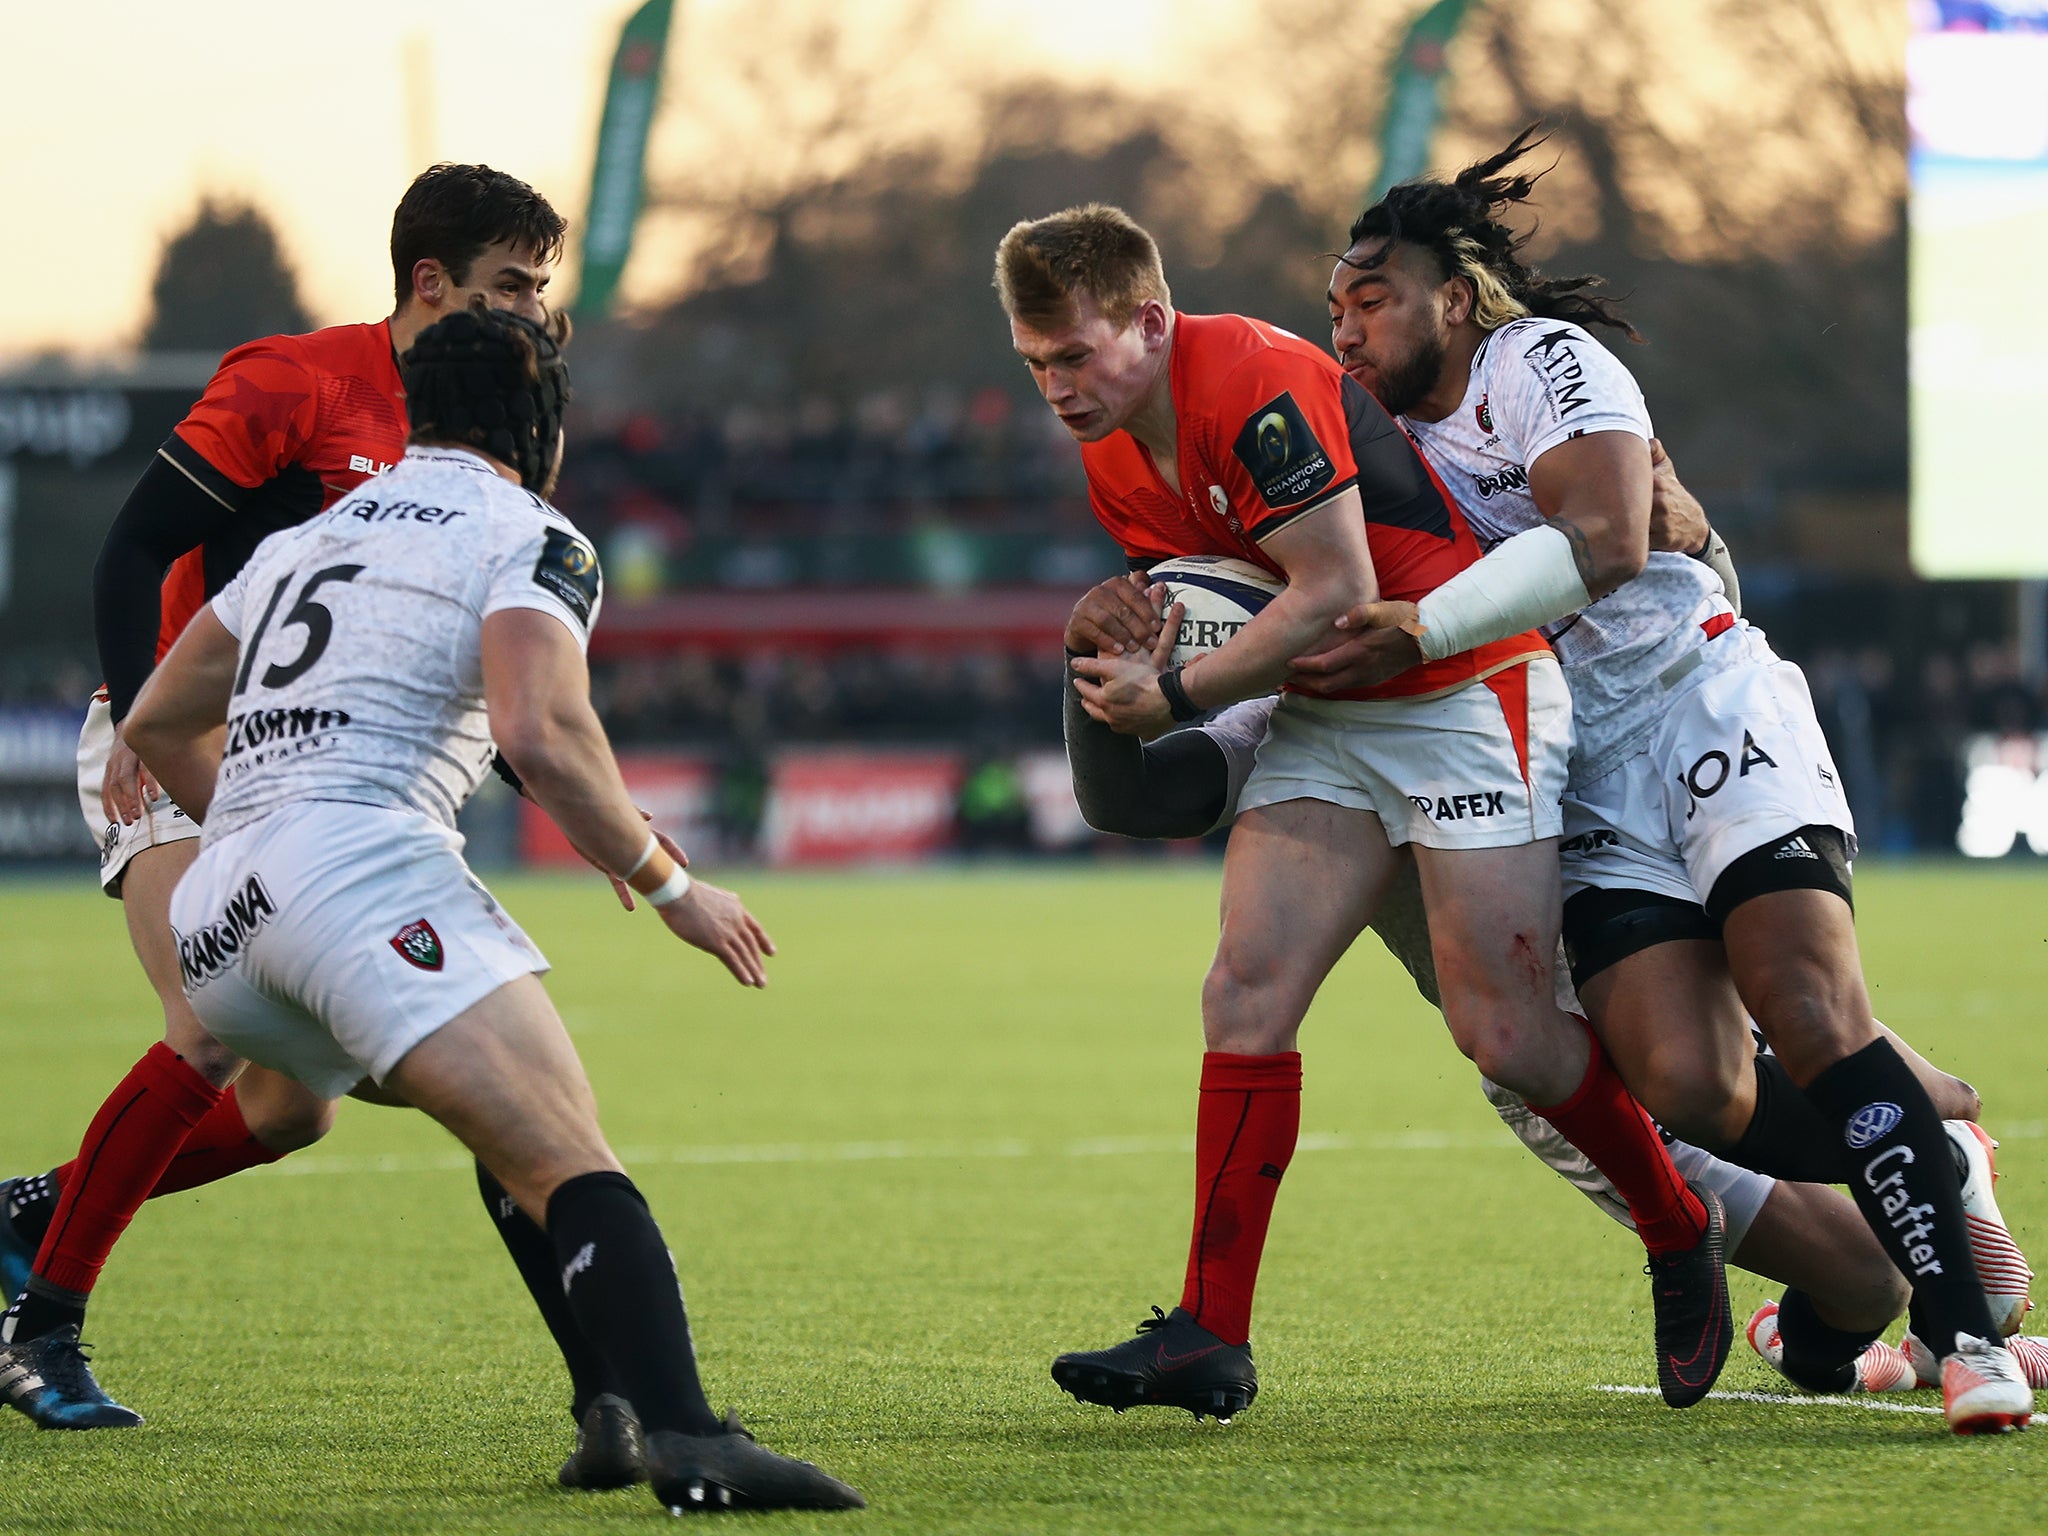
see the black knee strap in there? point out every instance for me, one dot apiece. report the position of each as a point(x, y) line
point(1602, 928)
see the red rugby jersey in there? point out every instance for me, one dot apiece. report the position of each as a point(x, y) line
point(1270, 428)
point(288, 426)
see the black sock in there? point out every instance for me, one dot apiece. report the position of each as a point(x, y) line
point(41, 1308)
point(1787, 1137)
point(31, 1204)
point(1817, 1357)
point(1904, 1181)
point(621, 1286)
point(534, 1255)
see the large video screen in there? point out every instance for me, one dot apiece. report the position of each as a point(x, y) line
point(1977, 102)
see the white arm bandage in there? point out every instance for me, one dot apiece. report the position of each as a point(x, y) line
point(1522, 582)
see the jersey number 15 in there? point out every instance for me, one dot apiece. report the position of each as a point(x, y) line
point(317, 618)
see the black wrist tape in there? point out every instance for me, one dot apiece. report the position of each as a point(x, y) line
point(1183, 708)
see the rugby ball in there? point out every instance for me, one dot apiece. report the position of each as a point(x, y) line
point(1220, 595)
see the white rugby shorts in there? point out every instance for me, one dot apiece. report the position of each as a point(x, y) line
point(1736, 761)
point(327, 939)
point(1483, 767)
point(161, 820)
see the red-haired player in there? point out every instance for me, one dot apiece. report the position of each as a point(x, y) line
point(1215, 434)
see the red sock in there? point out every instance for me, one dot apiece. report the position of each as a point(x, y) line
point(217, 1146)
point(220, 1144)
point(126, 1149)
point(1245, 1130)
point(1616, 1133)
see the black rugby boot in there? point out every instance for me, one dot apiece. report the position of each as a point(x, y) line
point(705, 1474)
point(610, 1452)
point(49, 1379)
point(1689, 1291)
point(1174, 1362)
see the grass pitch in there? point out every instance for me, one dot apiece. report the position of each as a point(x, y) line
point(947, 1143)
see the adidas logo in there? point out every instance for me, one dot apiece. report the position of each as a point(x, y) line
point(1795, 848)
point(1268, 1171)
point(19, 1379)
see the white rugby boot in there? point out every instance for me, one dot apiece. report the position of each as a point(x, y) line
point(1880, 1368)
point(2000, 1264)
point(2031, 1354)
point(1982, 1390)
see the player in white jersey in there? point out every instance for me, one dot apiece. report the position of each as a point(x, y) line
point(362, 664)
point(1707, 843)
point(1186, 784)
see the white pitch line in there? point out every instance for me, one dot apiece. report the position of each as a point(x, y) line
point(896, 1151)
point(1786, 1399)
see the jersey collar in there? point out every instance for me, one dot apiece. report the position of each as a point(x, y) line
point(461, 458)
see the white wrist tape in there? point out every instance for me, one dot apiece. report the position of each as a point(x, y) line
point(674, 888)
point(653, 847)
point(1524, 581)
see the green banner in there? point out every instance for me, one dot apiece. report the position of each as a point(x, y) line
point(617, 177)
point(1413, 86)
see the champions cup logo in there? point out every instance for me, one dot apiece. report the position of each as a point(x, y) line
point(1275, 441)
point(577, 560)
point(1869, 1123)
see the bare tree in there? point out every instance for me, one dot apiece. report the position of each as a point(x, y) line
point(1736, 170)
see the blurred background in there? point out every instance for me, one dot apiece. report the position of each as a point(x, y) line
point(841, 534)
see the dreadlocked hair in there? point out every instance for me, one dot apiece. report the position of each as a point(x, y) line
point(490, 379)
point(1456, 221)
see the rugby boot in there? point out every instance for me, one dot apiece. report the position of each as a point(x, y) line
point(1880, 1368)
point(2000, 1265)
point(1174, 1362)
point(1982, 1390)
point(2030, 1353)
point(1689, 1291)
point(49, 1380)
point(17, 1253)
point(610, 1452)
point(702, 1474)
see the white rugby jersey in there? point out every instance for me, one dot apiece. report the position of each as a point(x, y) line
point(1535, 384)
point(360, 675)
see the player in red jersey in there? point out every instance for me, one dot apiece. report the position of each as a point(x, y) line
point(287, 426)
point(1216, 434)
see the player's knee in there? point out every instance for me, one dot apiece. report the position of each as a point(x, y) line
point(1511, 978)
point(1502, 1049)
point(1887, 1293)
point(288, 1125)
point(1241, 1004)
point(1863, 1291)
point(205, 1055)
point(1803, 1010)
point(1957, 1100)
point(1695, 1097)
point(1236, 981)
point(1953, 1099)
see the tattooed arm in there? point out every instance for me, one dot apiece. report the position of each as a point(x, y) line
point(1596, 492)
